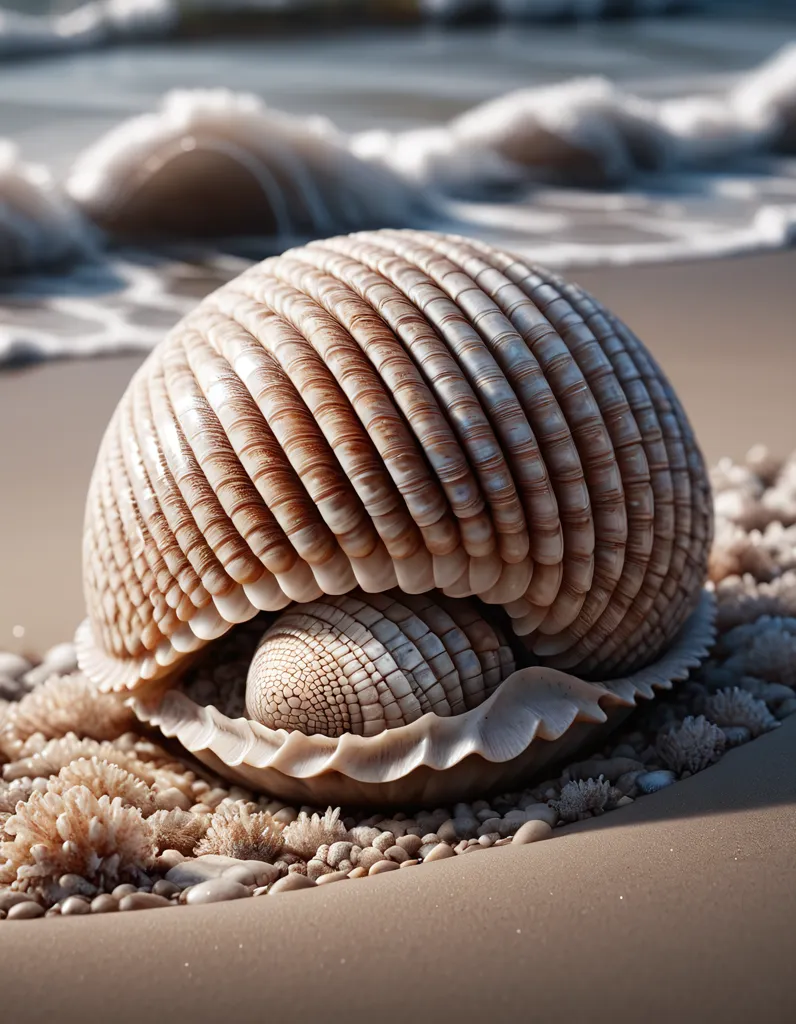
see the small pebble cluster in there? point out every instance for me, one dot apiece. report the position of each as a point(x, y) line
point(96, 817)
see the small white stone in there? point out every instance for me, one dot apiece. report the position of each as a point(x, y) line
point(651, 782)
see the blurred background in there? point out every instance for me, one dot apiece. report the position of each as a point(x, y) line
point(149, 148)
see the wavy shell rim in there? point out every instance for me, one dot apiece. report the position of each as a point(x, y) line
point(533, 703)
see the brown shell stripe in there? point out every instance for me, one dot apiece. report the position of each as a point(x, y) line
point(324, 412)
point(456, 306)
point(445, 380)
point(625, 439)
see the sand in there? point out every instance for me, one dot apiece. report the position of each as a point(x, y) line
point(679, 906)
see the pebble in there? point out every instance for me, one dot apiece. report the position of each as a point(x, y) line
point(333, 876)
point(25, 911)
point(169, 859)
point(357, 872)
point(623, 801)
point(503, 826)
point(163, 887)
point(11, 899)
point(409, 863)
point(252, 873)
point(104, 904)
point(410, 843)
point(338, 852)
point(627, 783)
point(440, 852)
point(447, 831)
point(651, 782)
point(75, 905)
point(383, 841)
point(76, 885)
point(383, 865)
point(369, 857)
point(202, 869)
point(216, 890)
point(13, 665)
point(143, 901)
point(474, 849)
point(126, 889)
point(532, 832)
point(396, 853)
point(291, 882)
point(317, 868)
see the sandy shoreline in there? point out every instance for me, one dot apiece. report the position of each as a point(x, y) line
point(680, 906)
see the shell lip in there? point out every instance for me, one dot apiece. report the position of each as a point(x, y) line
point(533, 703)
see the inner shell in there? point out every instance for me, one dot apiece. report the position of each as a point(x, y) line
point(358, 663)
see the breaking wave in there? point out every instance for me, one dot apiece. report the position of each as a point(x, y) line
point(579, 173)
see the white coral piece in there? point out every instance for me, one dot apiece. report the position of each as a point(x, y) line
point(240, 830)
point(304, 835)
point(734, 706)
point(62, 705)
point(178, 830)
point(77, 833)
point(583, 798)
point(104, 779)
point(692, 746)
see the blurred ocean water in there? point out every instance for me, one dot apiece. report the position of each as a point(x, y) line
point(388, 85)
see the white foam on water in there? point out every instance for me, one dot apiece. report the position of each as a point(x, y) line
point(589, 131)
point(693, 176)
point(92, 24)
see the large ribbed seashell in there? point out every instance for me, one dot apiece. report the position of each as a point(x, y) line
point(397, 413)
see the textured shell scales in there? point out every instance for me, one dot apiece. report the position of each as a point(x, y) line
point(395, 409)
point(535, 717)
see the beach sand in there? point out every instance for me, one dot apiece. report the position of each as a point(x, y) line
point(681, 906)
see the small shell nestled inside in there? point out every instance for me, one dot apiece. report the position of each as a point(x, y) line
point(378, 427)
point(364, 663)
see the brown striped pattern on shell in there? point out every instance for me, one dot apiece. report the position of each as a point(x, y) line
point(362, 663)
point(405, 410)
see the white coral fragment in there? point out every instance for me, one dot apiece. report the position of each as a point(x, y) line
point(307, 833)
point(737, 707)
point(240, 830)
point(64, 704)
point(74, 832)
point(103, 778)
point(692, 746)
point(583, 798)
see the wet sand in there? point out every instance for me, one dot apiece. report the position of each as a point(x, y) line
point(681, 906)
point(723, 331)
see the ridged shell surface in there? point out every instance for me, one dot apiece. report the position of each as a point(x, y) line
point(395, 409)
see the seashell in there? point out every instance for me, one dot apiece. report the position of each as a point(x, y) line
point(467, 488)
